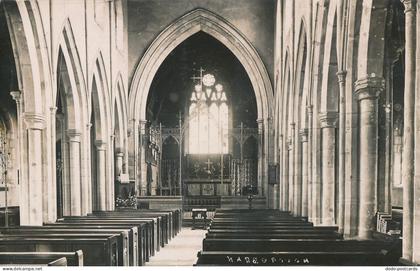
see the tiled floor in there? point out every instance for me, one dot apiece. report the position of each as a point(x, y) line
point(181, 251)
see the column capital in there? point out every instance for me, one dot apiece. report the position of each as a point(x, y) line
point(369, 87)
point(73, 135)
point(310, 109)
point(409, 5)
point(34, 121)
point(303, 135)
point(53, 110)
point(16, 95)
point(119, 154)
point(100, 145)
point(119, 150)
point(341, 76)
point(328, 119)
point(292, 125)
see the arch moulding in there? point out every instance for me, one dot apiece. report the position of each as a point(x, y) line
point(189, 24)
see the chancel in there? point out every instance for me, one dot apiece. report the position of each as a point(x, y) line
point(202, 133)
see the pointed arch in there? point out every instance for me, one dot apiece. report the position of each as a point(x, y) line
point(329, 85)
point(100, 100)
point(189, 24)
point(120, 105)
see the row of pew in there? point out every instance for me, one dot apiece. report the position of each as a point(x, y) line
point(124, 237)
point(272, 237)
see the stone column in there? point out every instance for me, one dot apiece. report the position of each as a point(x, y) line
point(304, 140)
point(101, 175)
point(16, 95)
point(297, 178)
point(328, 121)
point(260, 156)
point(367, 91)
point(291, 167)
point(341, 148)
point(74, 170)
point(310, 163)
point(52, 183)
point(285, 175)
point(142, 167)
point(408, 135)
point(87, 199)
point(119, 155)
point(32, 197)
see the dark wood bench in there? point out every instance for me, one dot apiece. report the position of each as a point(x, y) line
point(288, 245)
point(98, 250)
point(274, 231)
point(163, 221)
point(331, 258)
point(42, 258)
point(270, 235)
point(150, 224)
point(137, 251)
point(126, 245)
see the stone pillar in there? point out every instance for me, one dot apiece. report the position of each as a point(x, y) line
point(32, 194)
point(291, 167)
point(297, 178)
point(16, 95)
point(285, 176)
point(87, 198)
point(260, 156)
point(74, 170)
point(101, 175)
point(310, 162)
point(367, 91)
point(142, 166)
point(51, 184)
point(328, 121)
point(408, 135)
point(119, 155)
point(341, 148)
point(304, 140)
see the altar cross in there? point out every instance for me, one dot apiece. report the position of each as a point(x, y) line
point(208, 163)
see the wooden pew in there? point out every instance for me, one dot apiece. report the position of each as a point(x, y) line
point(320, 229)
point(150, 225)
point(126, 246)
point(98, 250)
point(288, 245)
point(162, 221)
point(270, 235)
point(137, 237)
point(42, 258)
point(144, 234)
point(331, 258)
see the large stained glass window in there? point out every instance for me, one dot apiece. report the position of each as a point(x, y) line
point(208, 117)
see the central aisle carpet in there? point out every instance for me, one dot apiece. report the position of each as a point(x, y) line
point(181, 251)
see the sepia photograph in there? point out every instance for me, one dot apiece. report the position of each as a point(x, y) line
point(209, 133)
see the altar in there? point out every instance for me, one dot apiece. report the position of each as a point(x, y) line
point(206, 177)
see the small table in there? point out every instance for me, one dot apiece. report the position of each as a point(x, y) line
point(199, 215)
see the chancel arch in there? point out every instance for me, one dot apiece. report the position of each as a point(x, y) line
point(204, 21)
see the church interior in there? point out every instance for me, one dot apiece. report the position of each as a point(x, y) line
point(209, 132)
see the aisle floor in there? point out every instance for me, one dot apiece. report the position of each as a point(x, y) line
point(181, 250)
